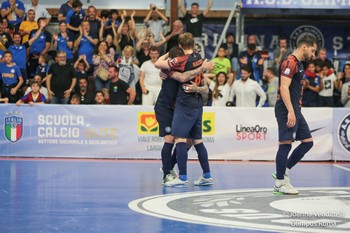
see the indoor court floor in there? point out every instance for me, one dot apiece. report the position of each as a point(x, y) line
point(103, 196)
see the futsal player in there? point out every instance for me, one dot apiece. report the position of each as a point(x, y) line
point(164, 107)
point(291, 123)
point(187, 120)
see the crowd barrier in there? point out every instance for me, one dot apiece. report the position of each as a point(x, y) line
point(131, 132)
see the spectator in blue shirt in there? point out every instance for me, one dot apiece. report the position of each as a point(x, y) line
point(39, 46)
point(64, 9)
point(13, 10)
point(11, 78)
point(74, 18)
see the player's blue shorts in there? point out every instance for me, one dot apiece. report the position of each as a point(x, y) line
point(299, 132)
point(164, 116)
point(187, 123)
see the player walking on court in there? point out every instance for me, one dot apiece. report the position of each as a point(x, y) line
point(291, 123)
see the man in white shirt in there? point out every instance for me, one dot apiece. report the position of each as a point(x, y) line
point(246, 90)
point(40, 11)
point(150, 80)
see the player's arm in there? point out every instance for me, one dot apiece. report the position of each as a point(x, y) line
point(193, 88)
point(189, 75)
point(162, 62)
point(285, 94)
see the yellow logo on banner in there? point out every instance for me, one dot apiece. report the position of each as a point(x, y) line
point(147, 123)
point(208, 123)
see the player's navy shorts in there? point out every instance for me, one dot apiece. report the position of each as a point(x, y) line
point(164, 116)
point(299, 132)
point(187, 123)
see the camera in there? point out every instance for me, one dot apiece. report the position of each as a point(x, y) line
point(154, 8)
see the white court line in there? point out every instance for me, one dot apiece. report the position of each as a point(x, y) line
point(341, 167)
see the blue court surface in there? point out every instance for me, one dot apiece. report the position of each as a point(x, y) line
point(81, 196)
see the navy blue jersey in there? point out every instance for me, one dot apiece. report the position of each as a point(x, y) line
point(168, 93)
point(293, 69)
point(192, 100)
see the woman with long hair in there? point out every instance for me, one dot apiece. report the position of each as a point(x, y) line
point(102, 60)
point(220, 89)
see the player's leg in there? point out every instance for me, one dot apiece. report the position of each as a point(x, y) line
point(181, 126)
point(304, 135)
point(164, 116)
point(286, 137)
point(196, 134)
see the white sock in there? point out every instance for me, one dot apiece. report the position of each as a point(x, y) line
point(287, 172)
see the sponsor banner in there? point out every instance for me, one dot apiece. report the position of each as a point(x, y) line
point(341, 134)
point(132, 132)
point(297, 4)
point(333, 36)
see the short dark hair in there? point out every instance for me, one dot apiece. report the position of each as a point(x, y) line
point(99, 92)
point(115, 67)
point(251, 47)
point(229, 34)
point(7, 52)
point(246, 68)
point(114, 11)
point(308, 40)
point(154, 48)
point(176, 52)
point(77, 3)
point(195, 4)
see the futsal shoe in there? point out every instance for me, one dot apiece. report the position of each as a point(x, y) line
point(172, 172)
point(176, 183)
point(286, 182)
point(168, 178)
point(282, 189)
point(204, 181)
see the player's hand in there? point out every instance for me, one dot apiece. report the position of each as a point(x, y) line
point(291, 120)
point(190, 88)
point(31, 103)
point(208, 65)
point(163, 75)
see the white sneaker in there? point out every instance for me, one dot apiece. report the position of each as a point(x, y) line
point(204, 181)
point(173, 171)
point(168, 178)
point(176, 183)
point(286, 183)
point(283, 189)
